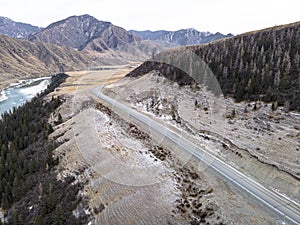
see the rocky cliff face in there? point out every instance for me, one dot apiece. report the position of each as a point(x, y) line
point(15, 29)
point(181, 37)
point(81, 31)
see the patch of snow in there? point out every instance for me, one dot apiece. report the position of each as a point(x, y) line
point(3, 97)
point(34, 90)
point(76, 213)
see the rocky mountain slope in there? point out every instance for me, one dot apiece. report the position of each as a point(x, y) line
point(261, 65)
point(51, 50)
point(81, 31)
point(181, 37)
point(16, 29)
point(22, 58)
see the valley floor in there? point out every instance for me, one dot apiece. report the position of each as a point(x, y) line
point(132, 179)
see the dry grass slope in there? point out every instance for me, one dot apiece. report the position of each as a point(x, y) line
point(21, 59)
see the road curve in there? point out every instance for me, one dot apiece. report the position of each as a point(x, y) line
point(279, 203)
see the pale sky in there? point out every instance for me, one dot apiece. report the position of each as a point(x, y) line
point(225, 16)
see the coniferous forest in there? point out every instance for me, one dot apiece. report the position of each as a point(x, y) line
point(29, 190)
point(262, 65)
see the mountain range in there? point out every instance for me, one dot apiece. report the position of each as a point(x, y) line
point(84, 31)
point(181, 37)
point(80, 41)
point(16, 29)
point(87, 32)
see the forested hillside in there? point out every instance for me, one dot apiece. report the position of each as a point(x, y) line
point(29, 190)
point(261, 65)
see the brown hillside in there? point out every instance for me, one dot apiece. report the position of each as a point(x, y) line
point(21, 58)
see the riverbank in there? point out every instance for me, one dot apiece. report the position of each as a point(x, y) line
point(21, 91)
point(5, 84)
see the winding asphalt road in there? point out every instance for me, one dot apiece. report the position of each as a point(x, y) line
point(279, 203)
